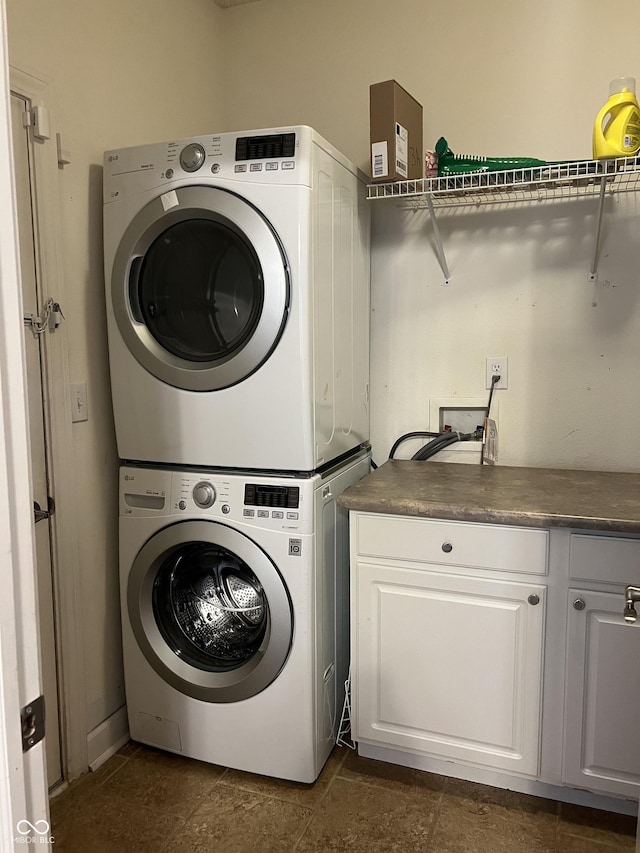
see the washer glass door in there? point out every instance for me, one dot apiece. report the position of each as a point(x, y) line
point(210, 611)
point(200, 288)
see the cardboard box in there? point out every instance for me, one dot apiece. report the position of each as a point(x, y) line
point(396, 133)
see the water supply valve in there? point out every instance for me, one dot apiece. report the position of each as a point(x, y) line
point(632, 596)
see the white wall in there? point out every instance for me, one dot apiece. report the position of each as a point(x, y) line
point(499, 78)
point(123, 74)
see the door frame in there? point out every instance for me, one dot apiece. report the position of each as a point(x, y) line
point(59, 443)
point(23, 787)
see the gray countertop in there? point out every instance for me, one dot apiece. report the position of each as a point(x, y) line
point(532, 497)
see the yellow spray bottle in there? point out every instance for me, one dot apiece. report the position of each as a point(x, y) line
point(616, 132)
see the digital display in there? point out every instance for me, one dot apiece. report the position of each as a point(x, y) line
point(279, 497)
point(266, 147)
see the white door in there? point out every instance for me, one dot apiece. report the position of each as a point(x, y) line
point(449, 666)
point(23, 791)
point(32, 305)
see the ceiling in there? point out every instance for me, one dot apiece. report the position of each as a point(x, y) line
point(226, 4)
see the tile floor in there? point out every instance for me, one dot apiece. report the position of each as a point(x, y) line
point(146, 800)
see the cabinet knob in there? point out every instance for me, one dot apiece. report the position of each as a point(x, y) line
point(533, 598)
point(447, 547)
point(578, 604)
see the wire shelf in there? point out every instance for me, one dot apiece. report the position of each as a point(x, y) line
point(553, 182)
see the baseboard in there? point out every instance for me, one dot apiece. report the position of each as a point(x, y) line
point(107, 738)
point(499, 779)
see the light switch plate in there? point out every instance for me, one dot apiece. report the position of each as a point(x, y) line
point(79, 411)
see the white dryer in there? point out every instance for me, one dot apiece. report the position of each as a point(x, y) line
point(235, 614)
point(237, 281)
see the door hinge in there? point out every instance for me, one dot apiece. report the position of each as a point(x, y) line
point(32, 721)
point(40, 514)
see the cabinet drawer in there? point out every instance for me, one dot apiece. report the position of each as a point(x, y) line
point(452, 543)
point(604, 558)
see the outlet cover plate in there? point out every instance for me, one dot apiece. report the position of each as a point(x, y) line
point(497, 365)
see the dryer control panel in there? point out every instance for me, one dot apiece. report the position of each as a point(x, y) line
point(280, 156)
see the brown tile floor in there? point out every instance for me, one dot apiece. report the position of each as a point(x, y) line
point(146, 800)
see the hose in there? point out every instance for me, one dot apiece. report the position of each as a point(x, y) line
point(442, 441)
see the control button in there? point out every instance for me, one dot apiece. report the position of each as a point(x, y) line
point(204, 495)
point(226, 509)
point(263, 513)
point(289, 164)
point(255, 167)
point(192, 157)
point(168, 173)
point(292, 515)
point(248, 513)
point(215, 168)
point(271, 167)
point(240, 168)
point(277, 514)
point(182, 505)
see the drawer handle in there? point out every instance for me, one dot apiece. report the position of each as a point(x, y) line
point(447, 547)
point(632, 597)
point(533, 598)
point(578, 604)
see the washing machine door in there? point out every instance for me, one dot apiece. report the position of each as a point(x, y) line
point(210, 611)
point(200, 288)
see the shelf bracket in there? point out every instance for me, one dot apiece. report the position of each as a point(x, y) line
point(593, 275)
point(436, 235)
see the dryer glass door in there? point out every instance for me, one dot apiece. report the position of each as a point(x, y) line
point(210, 611)
point(200, 288)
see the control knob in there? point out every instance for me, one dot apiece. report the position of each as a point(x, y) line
point(192, 157)
point(204, 495)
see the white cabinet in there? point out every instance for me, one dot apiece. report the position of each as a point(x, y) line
point(602, 736)
point(602, 678)
point(447, 660)
point(450, 628)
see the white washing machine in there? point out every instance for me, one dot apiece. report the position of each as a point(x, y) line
point(237, 280)
point(235, 614)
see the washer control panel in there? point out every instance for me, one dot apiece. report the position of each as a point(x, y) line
point(270, 504)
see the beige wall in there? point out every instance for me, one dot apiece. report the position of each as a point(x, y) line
point(498, 78)
point(123, 73)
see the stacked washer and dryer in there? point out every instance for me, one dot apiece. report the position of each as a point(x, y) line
point(237, 277)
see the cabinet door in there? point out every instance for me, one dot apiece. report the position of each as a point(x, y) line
point(448, 666)
point(602, 736)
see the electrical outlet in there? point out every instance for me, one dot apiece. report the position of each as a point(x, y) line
point(497, 365)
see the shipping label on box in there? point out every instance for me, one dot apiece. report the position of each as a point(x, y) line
point(402, 150)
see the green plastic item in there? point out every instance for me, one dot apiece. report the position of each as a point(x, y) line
point(459, 164)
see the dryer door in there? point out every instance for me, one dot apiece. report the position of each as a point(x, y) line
point(200, 288)
point(210, 611)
